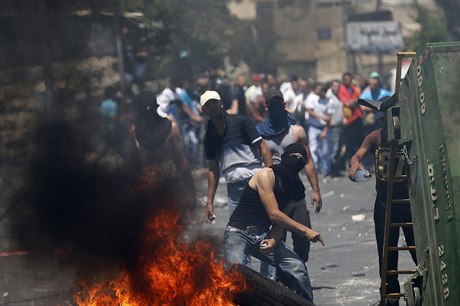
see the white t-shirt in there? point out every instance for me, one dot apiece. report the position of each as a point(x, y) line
point(311, 99)
point(292, 100)
point(165, 98)
point(252, 93)
point(320, 106)
point(285, 86)
point(336, 107)
point(256, 93)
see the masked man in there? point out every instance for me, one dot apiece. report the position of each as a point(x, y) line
point(265, 196)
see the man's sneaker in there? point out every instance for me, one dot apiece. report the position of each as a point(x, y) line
point(390, 302)
point(393, 302)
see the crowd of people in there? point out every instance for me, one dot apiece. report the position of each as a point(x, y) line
point(328, 112)
point(259, 138)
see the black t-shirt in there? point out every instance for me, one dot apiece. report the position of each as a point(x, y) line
point(250, 210)
point(373, 143)
point(238, 93)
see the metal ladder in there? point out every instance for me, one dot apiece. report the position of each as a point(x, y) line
point(390, 202)
point(388, 226)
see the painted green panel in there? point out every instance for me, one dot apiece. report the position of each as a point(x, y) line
point(429, 110)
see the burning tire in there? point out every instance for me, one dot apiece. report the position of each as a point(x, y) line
point(265, 292)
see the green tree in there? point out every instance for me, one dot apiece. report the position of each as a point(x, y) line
point(187, 37)
point(432, 29)
point(198, 34)
point(256, 47)
point(452, 13)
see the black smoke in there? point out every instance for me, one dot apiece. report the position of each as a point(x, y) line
point(70, 202)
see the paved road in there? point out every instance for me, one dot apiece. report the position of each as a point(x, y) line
point(344, 272)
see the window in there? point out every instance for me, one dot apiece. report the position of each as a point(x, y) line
point(324, 33)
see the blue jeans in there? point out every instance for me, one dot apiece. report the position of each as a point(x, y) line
point(268, 270)
point(333, 139)
point(318, 148)
point(240, 244)
point(234, 192)
point(190, 135)
point(298, 212)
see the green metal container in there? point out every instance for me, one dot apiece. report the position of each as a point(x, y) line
point(426, 122)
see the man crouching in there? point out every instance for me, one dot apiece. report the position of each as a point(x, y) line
point(261, 204)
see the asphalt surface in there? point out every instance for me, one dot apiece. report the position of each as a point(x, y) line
point(344, 272)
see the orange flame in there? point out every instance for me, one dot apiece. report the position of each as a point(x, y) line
point(170, 272)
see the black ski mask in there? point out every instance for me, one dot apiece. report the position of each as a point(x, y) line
point(293, 164)
point(294, 158)
point(292, 161)
point(277, 114)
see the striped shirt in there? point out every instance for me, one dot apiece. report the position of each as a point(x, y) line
point(239, 159)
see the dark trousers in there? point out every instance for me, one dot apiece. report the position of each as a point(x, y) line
point(400, 213)
point(298, 212)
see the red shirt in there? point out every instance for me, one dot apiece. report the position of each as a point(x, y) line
point(346, 94)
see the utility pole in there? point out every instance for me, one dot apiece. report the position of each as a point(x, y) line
point(378, 7)
point(350, 57)
point(45, 47)
point(119, 50)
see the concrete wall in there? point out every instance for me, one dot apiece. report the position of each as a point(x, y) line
point(404, 13)
point(23, 103)
point(297, 27)
point(23, 97)
point(330, 54)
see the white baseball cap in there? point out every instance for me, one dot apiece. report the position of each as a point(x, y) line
point(209, 95)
